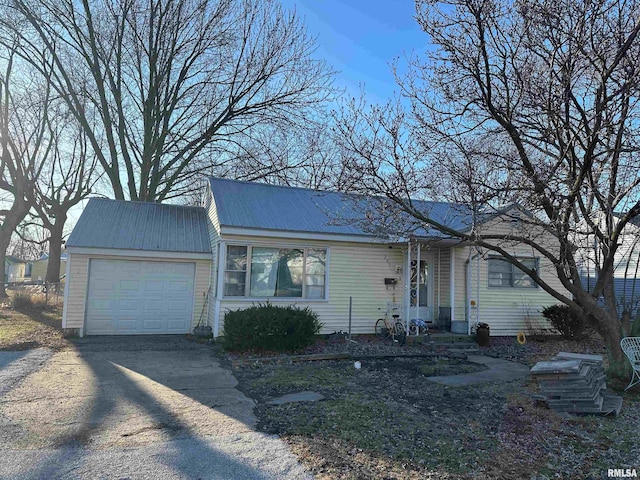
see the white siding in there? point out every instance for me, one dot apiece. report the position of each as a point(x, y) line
point(510, 310)
point(356, 270)
point(213, 227)
point(77, 284)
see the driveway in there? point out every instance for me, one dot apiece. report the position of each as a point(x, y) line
point(134, 407)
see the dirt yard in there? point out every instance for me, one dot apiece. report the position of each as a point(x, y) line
point(387, 421)
point(36, 327)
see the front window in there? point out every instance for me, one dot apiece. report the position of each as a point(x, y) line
point(505, 274)
point(268, 272)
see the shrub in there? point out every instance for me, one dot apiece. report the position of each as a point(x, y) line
point(565, 321)
point(269, 327)
point(22, 301)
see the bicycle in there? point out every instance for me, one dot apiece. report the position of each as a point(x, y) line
point(393, 329)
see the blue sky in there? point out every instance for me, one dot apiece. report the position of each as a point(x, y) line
point(360, 39)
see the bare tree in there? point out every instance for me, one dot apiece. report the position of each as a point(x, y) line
point(68, 177)
point(534, 102)
point(162, 87)
point(24, 145)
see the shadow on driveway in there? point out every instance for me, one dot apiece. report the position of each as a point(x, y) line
point(146, 407)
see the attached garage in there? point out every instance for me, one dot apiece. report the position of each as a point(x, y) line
point(139, 297)
point(137, 269)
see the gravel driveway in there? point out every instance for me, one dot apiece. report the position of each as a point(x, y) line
point(134, 407)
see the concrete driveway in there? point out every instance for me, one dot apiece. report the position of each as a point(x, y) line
point(134, 407)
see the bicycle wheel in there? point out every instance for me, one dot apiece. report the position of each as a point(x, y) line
point(414, 329)
point(381, 329)
point(400, 334)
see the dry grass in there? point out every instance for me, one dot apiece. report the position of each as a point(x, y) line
point(31, 328)
point(387, 421)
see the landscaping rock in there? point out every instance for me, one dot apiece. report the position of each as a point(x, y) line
point(296, 397)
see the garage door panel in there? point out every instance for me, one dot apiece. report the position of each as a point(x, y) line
point(178, 287)
point(139, 297)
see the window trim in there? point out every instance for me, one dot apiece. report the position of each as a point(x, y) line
point(514, 270)
point(248, 298)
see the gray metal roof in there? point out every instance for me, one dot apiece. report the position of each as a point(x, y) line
point(270, 207)
point(126, 225)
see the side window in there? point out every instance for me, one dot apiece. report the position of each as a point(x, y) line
point(505, 274)
point(235, 272)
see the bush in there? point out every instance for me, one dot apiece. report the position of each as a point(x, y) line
point(565, 321)
point(269, 327)
point(22, 301)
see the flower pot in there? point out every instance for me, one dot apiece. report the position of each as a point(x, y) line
point(482, 335)
point(203, 331)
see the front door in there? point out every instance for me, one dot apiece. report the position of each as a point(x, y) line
point(420, 291)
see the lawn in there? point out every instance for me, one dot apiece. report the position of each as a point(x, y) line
point(387, 421)
point(31, 328)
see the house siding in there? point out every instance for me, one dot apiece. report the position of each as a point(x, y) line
point(39, 269)
point(509, 310)
point(213, 227)
point(355, 270)
point(77, 284)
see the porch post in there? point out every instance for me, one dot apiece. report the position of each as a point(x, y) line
point(219, 288)
point(452, 282)
point(417, 282)
point(407, 279)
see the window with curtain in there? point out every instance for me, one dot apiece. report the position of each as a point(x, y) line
point(268, 272)
point(505, 274)
point(235, 274)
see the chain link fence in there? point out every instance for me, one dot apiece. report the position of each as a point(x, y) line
point(44, 294)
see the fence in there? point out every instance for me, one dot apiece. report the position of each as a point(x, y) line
point(48, 294)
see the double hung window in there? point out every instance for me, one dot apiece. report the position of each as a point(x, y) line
point(505, 274)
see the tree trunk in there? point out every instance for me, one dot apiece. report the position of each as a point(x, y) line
point(610, 329)
point(3, 253)
point(55, 250)
point(12, 219)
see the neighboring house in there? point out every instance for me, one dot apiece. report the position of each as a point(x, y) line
point(148, 268)
point(15, 269)
point(39, 268)
point(626, 281)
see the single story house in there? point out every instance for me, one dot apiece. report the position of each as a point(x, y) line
point(140, 268)
point(16, 270)
point(39, 269)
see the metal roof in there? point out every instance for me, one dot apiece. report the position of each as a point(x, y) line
point(145, 226)
point(271, 207)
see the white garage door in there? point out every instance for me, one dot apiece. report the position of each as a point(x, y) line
point(137, 297)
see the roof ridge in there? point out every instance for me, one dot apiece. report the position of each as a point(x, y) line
point(249, 182)
point(338, 192)
point(144, 203)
